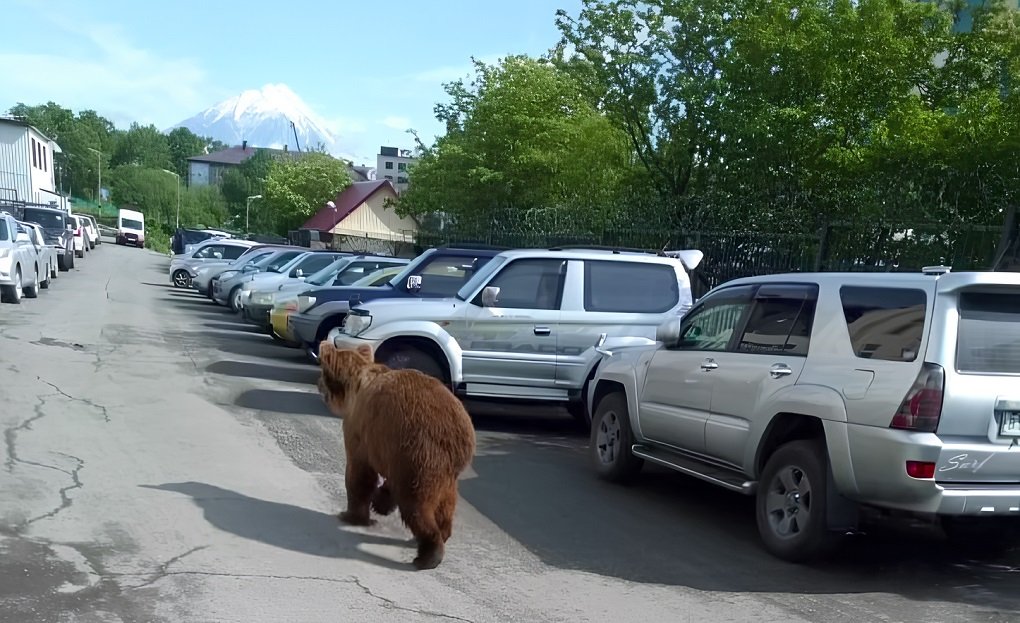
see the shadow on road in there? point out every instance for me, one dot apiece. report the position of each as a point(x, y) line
point(236, 326)
point(282, 401)
point(672, 530)
point(283, 525)
point(307, 374)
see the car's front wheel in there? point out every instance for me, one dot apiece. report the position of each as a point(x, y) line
point(181, 278)
point(409, 357)
point(611, 440)
point(790, 504)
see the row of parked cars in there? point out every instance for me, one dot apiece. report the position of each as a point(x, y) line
point(825, 396)
point(37, 244)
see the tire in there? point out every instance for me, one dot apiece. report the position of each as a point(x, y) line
point(54, 271)
point(13, 294)
point(45, 285)
point(790, 505)
point(80, 254)
point(181, 279)
point(611, 439)
point(33, 292)
point(409, 357)
point(234, 300)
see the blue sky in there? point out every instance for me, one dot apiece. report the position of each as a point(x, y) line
point(371, 70)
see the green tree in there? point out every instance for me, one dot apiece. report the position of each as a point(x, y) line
point(524, 148)
point(152, 190)
point(297, 188)
point(183, 144)
point(144, 146)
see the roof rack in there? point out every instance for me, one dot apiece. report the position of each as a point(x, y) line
point(598, 247)
point(940, 269)
point(473, 245)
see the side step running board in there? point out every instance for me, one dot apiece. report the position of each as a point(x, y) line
point(709, 473)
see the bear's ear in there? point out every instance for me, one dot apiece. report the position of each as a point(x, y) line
point(326, 350)
point(366, 352)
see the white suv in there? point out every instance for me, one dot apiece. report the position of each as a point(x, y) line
point(524, 326)
point(19, 272)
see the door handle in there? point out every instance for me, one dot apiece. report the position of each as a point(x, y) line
point(542, 330)
point(780, 370)
point(709, 364)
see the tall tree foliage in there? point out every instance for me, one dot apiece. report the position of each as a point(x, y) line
point(295, 189)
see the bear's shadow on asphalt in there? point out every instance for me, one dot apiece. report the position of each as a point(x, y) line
point(287, 526)
point(533, 482)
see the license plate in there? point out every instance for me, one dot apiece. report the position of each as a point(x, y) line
point(1009, 424)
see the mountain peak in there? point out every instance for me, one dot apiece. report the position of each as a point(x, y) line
point(263, 117)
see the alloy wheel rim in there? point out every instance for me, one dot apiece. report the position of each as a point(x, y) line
point(607, 439)
point(788, 502)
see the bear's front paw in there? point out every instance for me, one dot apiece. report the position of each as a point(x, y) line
point(356, 519)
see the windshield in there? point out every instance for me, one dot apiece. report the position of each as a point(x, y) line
point(379, 277)
point(285, 260)
point(191, 236)
point(480, 276)
point(49, 220)
point(326, 275)
point(130, 223)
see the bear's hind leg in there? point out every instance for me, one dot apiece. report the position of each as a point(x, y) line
point(361, 482)
point(445, 510)
point(420, 518)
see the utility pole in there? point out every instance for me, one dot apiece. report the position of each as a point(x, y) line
point(177, 175)
point(99, 172)
point(247, 209)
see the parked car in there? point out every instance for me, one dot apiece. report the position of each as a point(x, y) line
point(185, 239)
point(45, 255)
point(524, 326)
point(91, 230)
point(56, 231)
point(19, 275)
point(825, 394)
point(226, 287)
point(296, 270)
point(285, 303)
point(80, 239)
point(183, 267)
point(342, 270)
point(436, 272)
point(209, 270)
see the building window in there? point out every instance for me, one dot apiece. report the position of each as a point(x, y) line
point(401, 180)
point(402, 166)
point(44, 165)
point(389, 164)
point(35, 154)
point(389, 177)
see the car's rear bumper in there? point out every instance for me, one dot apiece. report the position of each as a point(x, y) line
point(879, 457)
point(303, 328)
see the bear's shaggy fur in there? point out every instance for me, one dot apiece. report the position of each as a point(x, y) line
point(407, 428)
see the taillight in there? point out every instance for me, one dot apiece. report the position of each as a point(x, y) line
point(922, 407)
point(920, 469)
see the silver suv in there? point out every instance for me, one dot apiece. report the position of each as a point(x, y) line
point(524, 326)
point(19, 266)
point(827, 394)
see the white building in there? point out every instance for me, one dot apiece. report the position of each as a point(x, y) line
point(26, 164)
point(393, 164)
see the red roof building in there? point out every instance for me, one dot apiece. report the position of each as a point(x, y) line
point(364, 210)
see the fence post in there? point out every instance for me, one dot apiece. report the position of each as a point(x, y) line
point(1009, 238)
point(823, 247)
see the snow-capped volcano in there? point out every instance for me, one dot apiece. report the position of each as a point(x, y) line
point(263, 117)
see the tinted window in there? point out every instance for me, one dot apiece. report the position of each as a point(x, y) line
point(49, 220)
point(275, 264)
point(780, 321)
point(529, 284)
point(211, 251)
point(884, 323)
point(232, 252)
point(629, 287)
point(359, 270)
point(130, 223)
point(710, 325)
point(314, 263)
point(3, 229)
point(443, 275)
point(989, 333)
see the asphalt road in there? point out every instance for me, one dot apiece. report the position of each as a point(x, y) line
point(161, 462)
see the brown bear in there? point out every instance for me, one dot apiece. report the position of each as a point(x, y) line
point(407, 439)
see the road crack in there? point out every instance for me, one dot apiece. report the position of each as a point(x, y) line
point(11, 440)
point(65, 499)
point(98, 407)
point(392, 605)
point(164, 568)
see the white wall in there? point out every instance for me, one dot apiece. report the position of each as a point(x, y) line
point(31, 179)
point(198, 173)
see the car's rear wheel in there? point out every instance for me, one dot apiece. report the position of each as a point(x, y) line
point(790, 505)
point(611, 440)
point(13, 293)
point(234, 299)
point(181, 278)
point(33, 290)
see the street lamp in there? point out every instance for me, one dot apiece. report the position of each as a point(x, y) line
point(332, 239)
point(178, 194)
point(99, 186)
point(247, 208)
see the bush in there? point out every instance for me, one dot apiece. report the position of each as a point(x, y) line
point(157, 240)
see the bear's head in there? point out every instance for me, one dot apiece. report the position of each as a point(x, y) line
point(343, 372)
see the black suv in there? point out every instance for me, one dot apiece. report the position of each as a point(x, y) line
point(55, 231)
point(428, 276)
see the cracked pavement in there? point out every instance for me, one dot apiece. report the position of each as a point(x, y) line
point(163, 462)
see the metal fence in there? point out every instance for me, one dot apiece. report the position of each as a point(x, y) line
point(729, 255)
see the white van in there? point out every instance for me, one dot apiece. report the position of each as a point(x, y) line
point(130, 227)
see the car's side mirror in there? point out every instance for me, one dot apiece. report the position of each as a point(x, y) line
point(490, 296)
point(669, 332)
point(300, 274)
point(414, 283)
point(249, 268)
point(69, 227)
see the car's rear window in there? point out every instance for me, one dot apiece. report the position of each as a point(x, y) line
point(629, 287)
point(49, 220)
point(988, 338)
point(884, 323)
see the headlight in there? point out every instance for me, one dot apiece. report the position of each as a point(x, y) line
point(304, 302)
point(262, 298)
point(227, 275)
point(285, 302)
point(4, 251)
point(355, 325)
